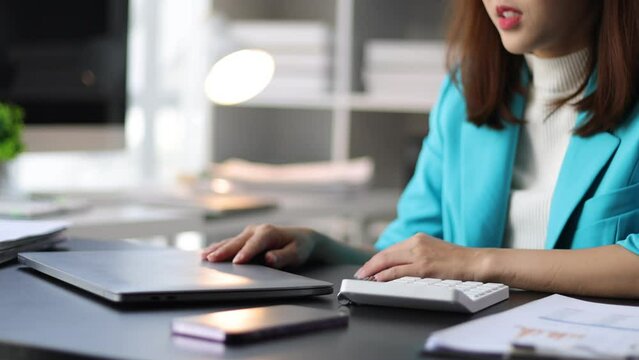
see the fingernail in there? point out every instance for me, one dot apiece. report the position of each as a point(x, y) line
point(357, 274)
point(238, 258)
point(212, 256)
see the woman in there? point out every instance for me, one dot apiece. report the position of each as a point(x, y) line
point(530, 173)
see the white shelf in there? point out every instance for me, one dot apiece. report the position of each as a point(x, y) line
point(372, 103)
point(320, 102)
point(354, 102)
point(361, 123)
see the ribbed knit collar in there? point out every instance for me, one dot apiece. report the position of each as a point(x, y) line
point(560, 75)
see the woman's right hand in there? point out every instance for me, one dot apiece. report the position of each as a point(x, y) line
point(282, 246)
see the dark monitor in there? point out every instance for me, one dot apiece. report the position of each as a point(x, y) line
point(64, 62)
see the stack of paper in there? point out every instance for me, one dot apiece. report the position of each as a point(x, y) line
point(556, 326)
point(301, 50)
point(403, 68)
point(22, 235)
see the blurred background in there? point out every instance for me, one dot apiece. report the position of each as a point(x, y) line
point(216, 112)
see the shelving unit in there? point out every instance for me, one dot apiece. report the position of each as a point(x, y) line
point(346, 122)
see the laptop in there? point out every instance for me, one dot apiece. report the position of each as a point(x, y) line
point(169, 275)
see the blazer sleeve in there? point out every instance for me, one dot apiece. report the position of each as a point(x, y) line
point(420, 206)
point(630, 243)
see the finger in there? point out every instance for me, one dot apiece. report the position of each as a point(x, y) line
point(286, 256)
point(396, 272)
point(383, 260)
point(265, 237)
point(215, 246)
point(211, 248)
point(230, 248)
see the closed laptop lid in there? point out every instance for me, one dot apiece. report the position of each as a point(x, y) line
point(168, 275)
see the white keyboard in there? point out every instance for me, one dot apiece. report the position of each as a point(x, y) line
point(428, 294)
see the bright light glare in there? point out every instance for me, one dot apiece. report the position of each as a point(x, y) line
point(221, 186)
point(239, 76)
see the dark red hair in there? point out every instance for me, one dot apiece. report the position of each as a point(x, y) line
point(490, 75)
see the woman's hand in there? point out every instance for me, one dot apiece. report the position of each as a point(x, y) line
point(284, 246)
point(423, 256)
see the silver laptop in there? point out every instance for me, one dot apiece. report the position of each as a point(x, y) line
point(168, 275)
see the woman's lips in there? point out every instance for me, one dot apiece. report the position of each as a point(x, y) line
point(509, 17)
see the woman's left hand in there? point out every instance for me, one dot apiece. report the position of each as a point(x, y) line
point(424, 256)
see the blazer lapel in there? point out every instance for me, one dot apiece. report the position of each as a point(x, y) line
point(488, 156)
point(584, 160)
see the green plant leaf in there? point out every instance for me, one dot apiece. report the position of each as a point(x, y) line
point(11, 125)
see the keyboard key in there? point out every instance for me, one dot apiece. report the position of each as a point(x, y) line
point(451, 282)
point(406, 279)
point(427, 281)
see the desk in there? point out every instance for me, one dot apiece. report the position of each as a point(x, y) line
point(36, 311)
point(356, 209)
point(133, 214)
point(138, 214)
point(120, 221)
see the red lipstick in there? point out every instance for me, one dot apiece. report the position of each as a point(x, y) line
point(509, 17)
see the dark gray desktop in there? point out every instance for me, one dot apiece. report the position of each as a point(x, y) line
point(44, 318)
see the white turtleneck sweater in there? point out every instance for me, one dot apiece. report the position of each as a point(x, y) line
point(543, 141)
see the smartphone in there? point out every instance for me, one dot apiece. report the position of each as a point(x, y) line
point(253, 324)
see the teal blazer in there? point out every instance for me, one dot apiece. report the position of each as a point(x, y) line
point(461, 186)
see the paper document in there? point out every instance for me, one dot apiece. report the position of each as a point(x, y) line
point(43, 244)
point(556, 326)
point(18, 232)
point(353, 172)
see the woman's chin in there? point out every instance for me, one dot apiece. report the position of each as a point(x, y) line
point(515, 47)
